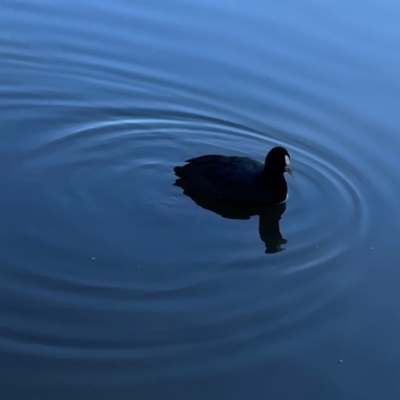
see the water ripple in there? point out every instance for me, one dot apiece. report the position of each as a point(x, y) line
point(105, 241)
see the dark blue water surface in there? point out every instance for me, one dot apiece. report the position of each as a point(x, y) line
point(114, 284)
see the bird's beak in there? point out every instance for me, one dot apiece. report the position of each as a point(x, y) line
point(289, 170)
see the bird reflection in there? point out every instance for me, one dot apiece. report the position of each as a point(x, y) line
point(269, 217)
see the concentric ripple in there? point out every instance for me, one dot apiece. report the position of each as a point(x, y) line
point(110, 274)
point(327, 211)
point(116, 176)
point(125, 166)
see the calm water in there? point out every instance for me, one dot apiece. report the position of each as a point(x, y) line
point(114, 284)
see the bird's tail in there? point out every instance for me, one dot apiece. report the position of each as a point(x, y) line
point(178, 171)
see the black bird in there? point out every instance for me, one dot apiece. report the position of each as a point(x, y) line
point(238, 180)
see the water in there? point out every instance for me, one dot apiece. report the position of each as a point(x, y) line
point(114, 284)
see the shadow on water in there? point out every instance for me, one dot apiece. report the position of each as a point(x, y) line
point(268, 223)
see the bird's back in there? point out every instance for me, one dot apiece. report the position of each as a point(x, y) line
point(227, 178)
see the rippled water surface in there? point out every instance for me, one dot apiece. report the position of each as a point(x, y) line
point(116, 285)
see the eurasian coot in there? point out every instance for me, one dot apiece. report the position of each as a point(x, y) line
point(238, 180)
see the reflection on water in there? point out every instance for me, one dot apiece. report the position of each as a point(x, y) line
point(268, 217)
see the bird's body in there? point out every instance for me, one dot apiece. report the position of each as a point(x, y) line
point(237, 180)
